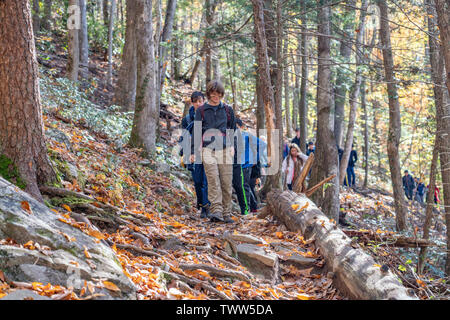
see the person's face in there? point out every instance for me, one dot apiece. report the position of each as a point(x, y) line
point(294, 152)
point(214, 98)
point(311, 146)
point(198, 103)
point(298, 134)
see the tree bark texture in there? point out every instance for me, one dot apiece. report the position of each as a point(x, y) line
point(326, 163)
point(73, 58)
point(125, 95)
point(146, 116)
point(84, 44)
point(394, 118)
point(355, 271)
point(21, 126)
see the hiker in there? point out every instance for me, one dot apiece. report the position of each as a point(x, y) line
point(310, 148)
point(211, 143)
point(197, 169)
point(285, 148)
point(288, 167)
point(296, 139)
point(350, 179)
point(340, 153)
point(420, 190)
point(255, 155)
point(241, 170)
point(436, 194)
point(408, 185)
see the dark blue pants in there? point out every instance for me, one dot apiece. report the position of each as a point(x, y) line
point(241, 184)
point(350, 179)
point(200, 184)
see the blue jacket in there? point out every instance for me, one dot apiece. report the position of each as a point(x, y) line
point(249, 152)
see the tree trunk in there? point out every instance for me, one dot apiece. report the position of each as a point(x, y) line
point(265, 86)
point(110, 41)
point(165, 38)
point(36, 19)
point(394, 118)
point(125, 94)
point(210, 8)
point(443, 106)
point(260, 114)
point(354, 94)
point(366, 134)
point(73, 58)
point(287, 108)
point(21, 126)
point(342, 78)
point(296, 91)
point(303, 107)
point(146, 117)
point(430, 205)
point(47, 18)
point(84, 44)
point(354, 270)
point(326, 163)
point(106, 13)
point(443, 15)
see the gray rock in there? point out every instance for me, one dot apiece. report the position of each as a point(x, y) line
point(24, 294)
point(71, 172)
point(66, 265)
point(172, 244)
point(259, 261)
point(246, 238)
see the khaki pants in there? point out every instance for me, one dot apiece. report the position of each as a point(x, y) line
point(219, 172)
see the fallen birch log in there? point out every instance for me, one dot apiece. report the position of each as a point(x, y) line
point(355, 272)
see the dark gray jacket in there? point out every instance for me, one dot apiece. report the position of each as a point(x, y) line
point(214, 117)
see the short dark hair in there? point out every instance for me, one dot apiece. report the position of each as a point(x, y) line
point(215, 86)
point(297, 129)
point(196, 95)
point(406, 171)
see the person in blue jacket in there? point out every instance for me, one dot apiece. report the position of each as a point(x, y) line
point(197, 169)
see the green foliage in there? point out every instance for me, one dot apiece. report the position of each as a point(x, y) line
point(8, 170)
point(62, 96)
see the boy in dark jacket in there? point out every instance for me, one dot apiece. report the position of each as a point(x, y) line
point(197, 170)
point(212, 143)
point(408, 185)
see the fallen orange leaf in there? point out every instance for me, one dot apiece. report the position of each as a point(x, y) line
point(111, 286)
point(26, 206)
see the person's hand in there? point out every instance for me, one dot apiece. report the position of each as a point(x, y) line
point(192, 158)
point(258, 181)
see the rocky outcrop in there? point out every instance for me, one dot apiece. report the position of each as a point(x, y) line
point(72, 257)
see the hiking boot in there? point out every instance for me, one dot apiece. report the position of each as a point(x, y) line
point(216, 217)
point(205, 213)
point(228, 219)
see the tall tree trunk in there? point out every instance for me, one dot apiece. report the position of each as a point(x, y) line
point(73, 24)
point(287, 108)
point(210, 8)
point(394, 118)
point(36, 18)
point(342, 78)
point(47, 18)
point(296, 91)
point(443, 14)
point(105, 11)
point(84, 44)
point(265, 88)
point(430, 205)
point(442, 103)
point(21, 126)
point(125, 94)
point(165, 38)
point(110, 41)
point(366, 134)
point(146, 116)
point(303, 107)
point(260, 115)
point(326, 163)
point(354, 94)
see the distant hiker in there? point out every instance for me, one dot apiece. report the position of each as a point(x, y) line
point(408, 185)
point(310, 148)
point(296, 139)
point(288, 167)
point(197, 169)
point(420, 190)
point(241, 170)
point(215, 147)
point(436, 194)
point(340, 152)
point(285, 148)
point(350, 179)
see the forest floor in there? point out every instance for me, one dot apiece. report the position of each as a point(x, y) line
point(161, 252)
